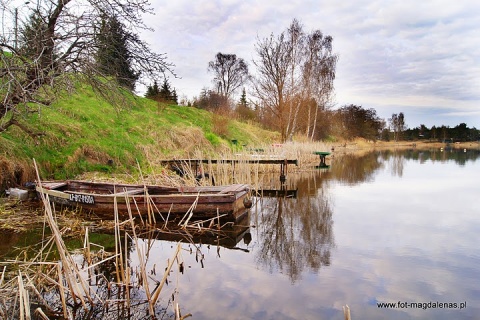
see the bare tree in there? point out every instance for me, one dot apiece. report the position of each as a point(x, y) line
point(318, 76)
point(296, 40)
point(230, 73)
point(270, 85)
point(34, 71)
point(294, 70)
point(210, 100)
point(397, 124)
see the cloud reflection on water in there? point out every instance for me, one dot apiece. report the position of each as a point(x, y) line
point(358, 234)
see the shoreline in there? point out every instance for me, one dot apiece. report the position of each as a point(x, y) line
point(364, 144)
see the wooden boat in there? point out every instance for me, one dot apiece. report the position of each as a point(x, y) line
point(99, 197)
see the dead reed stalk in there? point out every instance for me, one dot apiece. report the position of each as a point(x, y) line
point(158, 289)
point(346, 312)
point(189, 212)
point(69, 282)
point(75, 281)
point(24, 299)
point(142, 263)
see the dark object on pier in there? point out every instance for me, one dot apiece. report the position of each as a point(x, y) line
point(322, 155)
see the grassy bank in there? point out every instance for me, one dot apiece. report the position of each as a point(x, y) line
point(84, 133)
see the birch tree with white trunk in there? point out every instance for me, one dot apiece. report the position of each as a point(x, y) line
point(295, 74)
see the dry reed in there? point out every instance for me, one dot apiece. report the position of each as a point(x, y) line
point(59, 288)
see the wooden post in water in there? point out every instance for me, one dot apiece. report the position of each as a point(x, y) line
point(346, 312)
point(283, 167)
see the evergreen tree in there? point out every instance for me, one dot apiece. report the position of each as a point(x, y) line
point(243, 99)
point(174, 96)
point(32, 35)
point(152, 91)
point(243, 110)
point(113, 56)
point(149, 92)
point(156, 90)
point(165, 93)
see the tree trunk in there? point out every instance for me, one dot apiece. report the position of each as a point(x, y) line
point(314, 122)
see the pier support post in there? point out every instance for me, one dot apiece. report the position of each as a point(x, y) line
point(283, 170)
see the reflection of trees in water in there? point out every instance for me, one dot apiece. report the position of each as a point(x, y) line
point(353, 169)
point(459, 156)
point(397, 158)
point(296, 233)
point(397, 165)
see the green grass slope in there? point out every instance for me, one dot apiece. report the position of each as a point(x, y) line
point(84, 133)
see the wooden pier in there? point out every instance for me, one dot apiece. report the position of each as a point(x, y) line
point(195, 163)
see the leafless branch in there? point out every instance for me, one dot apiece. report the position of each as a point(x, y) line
point(62, 42)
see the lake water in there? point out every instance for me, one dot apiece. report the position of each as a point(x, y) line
point(387, 227)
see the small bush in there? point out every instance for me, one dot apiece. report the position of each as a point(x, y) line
point(214, 139)
point(220, 125)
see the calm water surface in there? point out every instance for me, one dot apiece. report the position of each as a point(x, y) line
point(385, 227)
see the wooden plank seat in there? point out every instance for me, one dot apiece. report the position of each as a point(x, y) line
point(53, 185)
point(234, 188)
point(128, 192)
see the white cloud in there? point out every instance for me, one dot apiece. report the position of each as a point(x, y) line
point(422, 55)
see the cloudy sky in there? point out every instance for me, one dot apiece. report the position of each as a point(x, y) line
point(421, 58)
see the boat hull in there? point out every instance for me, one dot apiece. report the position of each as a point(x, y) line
point(149, 201)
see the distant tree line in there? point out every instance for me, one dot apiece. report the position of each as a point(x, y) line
point(459, 133)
